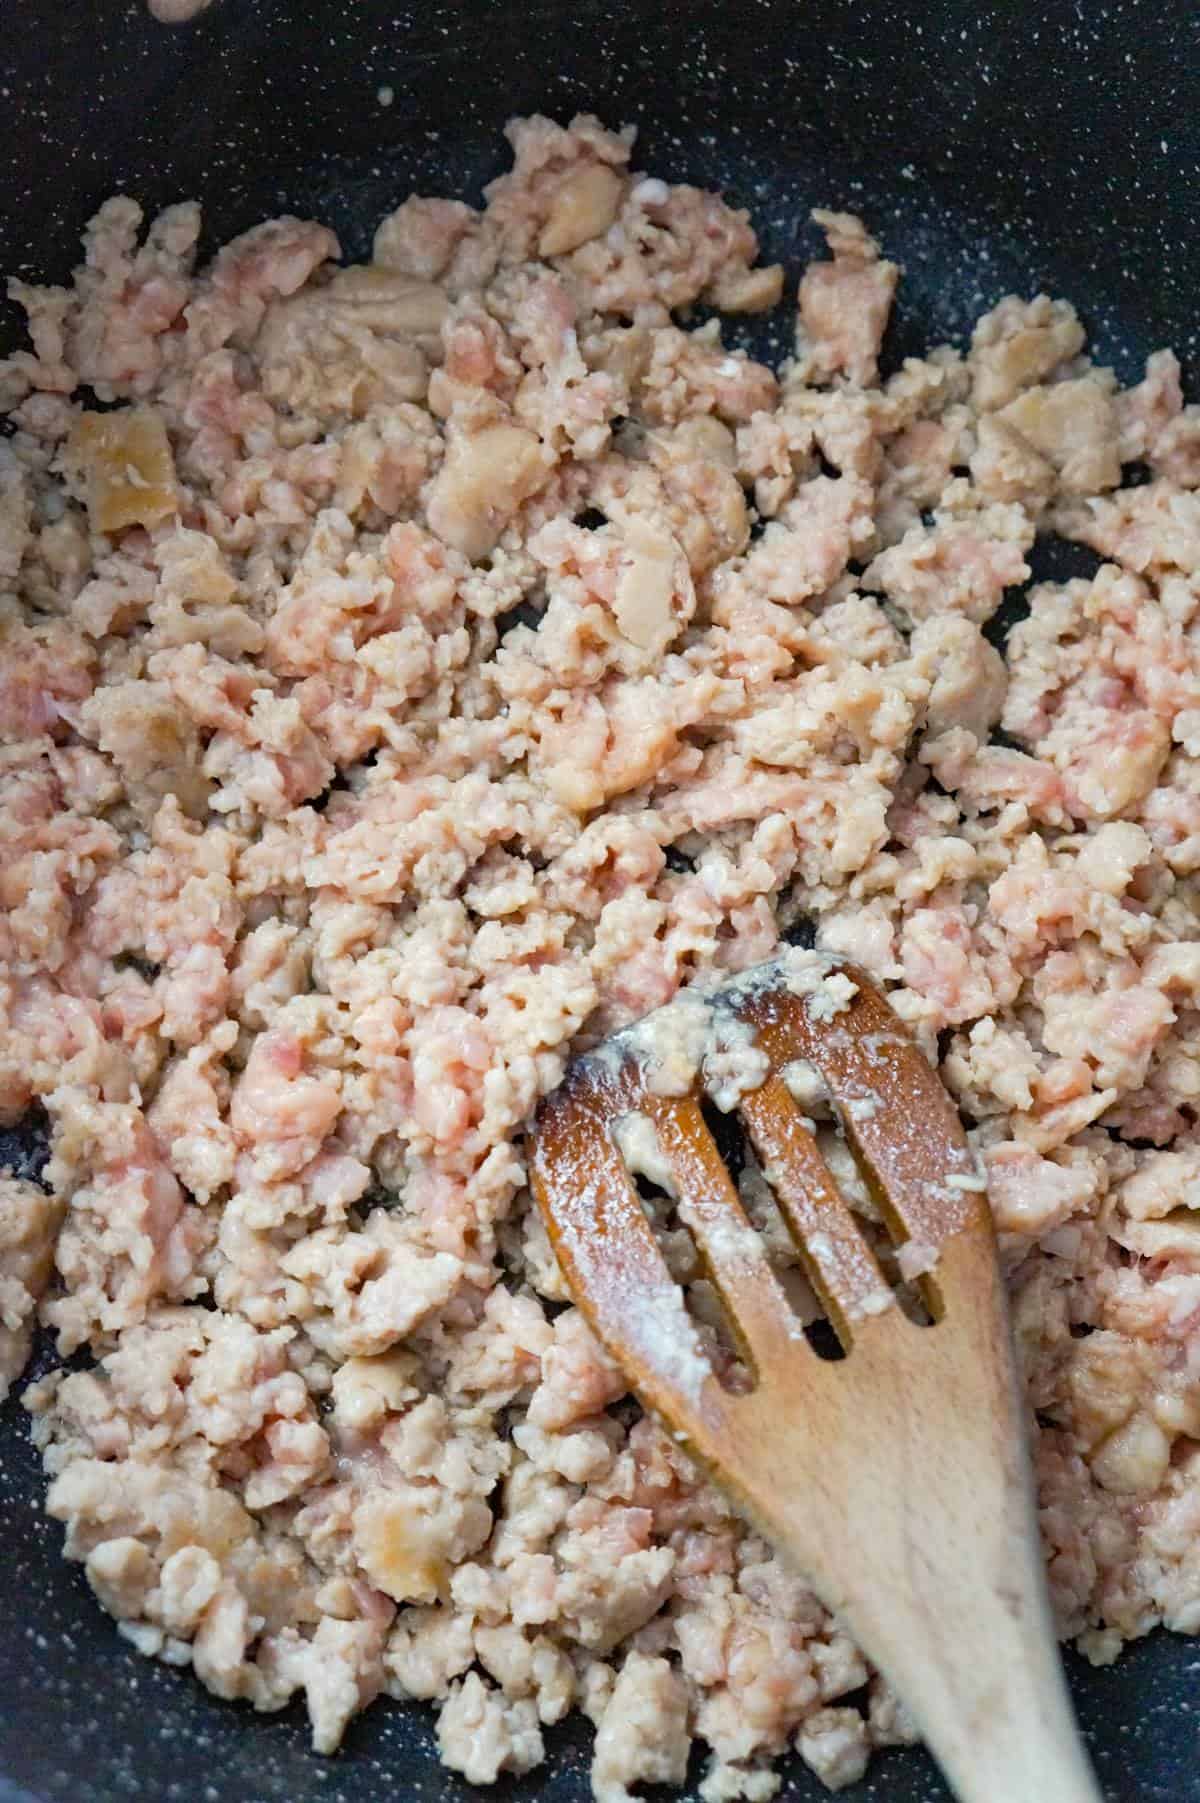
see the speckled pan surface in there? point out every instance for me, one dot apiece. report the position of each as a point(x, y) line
point(1023, 146)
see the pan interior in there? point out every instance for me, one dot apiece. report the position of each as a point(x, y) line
point(989, 152)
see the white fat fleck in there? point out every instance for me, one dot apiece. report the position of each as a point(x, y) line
point(671, 1044)
point(385, 95)
point(639, 1145)
point(805, 1084)
point(735, 1064)
point(864, 1107)
point(668, 1341)
point(827, 991)
point(914, 1258)
point(967, 1180)
point(875, 1302)
point(650, 192)
point(730, 1243)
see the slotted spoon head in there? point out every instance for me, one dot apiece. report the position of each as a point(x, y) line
point(896, 1479)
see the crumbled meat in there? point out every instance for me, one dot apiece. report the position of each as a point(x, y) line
point(1019, 344)
point(399, 693)
point(29, 1221)
point(360, 344)
point(844, 304)
point(481, 1733)
point(643, 1735)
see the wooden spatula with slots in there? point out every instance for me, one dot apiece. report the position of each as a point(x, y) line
point(896, 1479)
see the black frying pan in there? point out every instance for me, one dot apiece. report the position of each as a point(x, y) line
point(1027, 145)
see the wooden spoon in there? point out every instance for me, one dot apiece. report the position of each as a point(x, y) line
point(896, 1479)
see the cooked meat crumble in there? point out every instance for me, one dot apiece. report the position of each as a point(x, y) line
point(395, 698)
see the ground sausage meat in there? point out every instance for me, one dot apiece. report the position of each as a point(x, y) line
point(412, 672)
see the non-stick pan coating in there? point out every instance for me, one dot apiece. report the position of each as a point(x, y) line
point(1018, 147)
